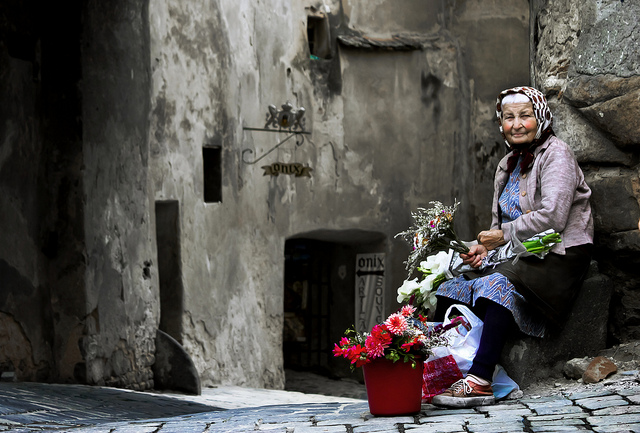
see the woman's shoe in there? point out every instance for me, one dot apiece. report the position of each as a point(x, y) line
point(465, 393)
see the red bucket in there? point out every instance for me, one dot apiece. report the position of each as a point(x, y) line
point(393, 388)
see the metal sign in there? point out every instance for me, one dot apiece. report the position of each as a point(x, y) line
point(369, 290)
point(294, 168)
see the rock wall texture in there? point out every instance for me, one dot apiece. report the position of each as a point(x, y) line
point(586, 58)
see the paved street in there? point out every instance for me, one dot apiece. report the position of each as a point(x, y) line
point(566, 406)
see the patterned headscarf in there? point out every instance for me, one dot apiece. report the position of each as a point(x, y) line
point(544, 120)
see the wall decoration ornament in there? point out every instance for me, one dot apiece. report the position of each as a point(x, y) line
point(288, 119)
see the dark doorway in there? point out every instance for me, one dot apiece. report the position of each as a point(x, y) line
point(319, 303)
point(169, 267)
point(307, 300)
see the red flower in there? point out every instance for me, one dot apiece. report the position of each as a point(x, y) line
point(407, 310)
point(357, 355)
point(338, 351)
point(379, 340)
point(409, 344)
point(397, 324)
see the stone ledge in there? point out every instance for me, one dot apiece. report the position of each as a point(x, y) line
point(622, 241)
point(529, 359)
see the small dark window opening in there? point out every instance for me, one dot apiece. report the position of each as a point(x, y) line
point(212, 163)
point(318, 36)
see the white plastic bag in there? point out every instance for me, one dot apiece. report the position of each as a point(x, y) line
point(464, 340)
point(502, 384)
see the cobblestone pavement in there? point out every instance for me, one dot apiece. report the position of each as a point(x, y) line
point(612, 405)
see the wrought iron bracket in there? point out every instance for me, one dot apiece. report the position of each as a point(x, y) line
point(299, 141)
point(288, 120)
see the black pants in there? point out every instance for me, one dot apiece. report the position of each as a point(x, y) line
point(498, 325)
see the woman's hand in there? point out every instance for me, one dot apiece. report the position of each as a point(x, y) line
point(491, 239)
point(475, 255)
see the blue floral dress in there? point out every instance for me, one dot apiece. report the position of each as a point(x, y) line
point(497, 287)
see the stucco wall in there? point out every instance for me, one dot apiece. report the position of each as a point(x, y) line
point(230, 252)
point(122, 305)
point(41, 262)
point(390, 132)
point(158, 81)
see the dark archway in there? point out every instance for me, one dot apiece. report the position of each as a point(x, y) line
point(319, 296)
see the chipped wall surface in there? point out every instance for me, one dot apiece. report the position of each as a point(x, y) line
point(122, 306)
point(232, 316)
point(400, 103)
point(586, 60)
point(41, 266)
point(389, 133)
point(122, 136)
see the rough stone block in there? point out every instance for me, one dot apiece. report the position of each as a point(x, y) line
point(609, 44)
point(623, 241)
point(528, 359)
point(575, 368)
point(585, 90)
point(589, 143)
point(615, 200)
point(617, 116)
point(599, 369)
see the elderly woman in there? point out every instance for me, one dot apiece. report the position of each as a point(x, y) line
point(538, 186)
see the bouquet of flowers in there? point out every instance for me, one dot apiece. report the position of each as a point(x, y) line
point(437, 248)
point(432, 232)
point(401, 337)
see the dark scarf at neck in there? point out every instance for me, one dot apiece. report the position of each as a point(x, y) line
point(526, 152)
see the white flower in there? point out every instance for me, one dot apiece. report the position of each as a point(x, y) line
point(430, 301)
point(426, 285)
point(406, 290)
point(428, 294)
point(437, 263)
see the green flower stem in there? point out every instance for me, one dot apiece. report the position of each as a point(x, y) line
point(458, 244)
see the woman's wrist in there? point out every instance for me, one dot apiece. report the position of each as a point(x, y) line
point(491, 239)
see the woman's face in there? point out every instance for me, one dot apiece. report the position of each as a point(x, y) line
point(519, 123)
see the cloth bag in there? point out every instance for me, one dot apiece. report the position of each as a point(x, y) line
point(450, 363)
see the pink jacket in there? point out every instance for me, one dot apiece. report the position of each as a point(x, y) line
point(553, 195)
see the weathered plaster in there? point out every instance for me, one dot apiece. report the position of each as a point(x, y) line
point(121, 283)
point(391, 131)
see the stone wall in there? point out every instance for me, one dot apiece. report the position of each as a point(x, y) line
point(390, 131)
point(586, 60)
